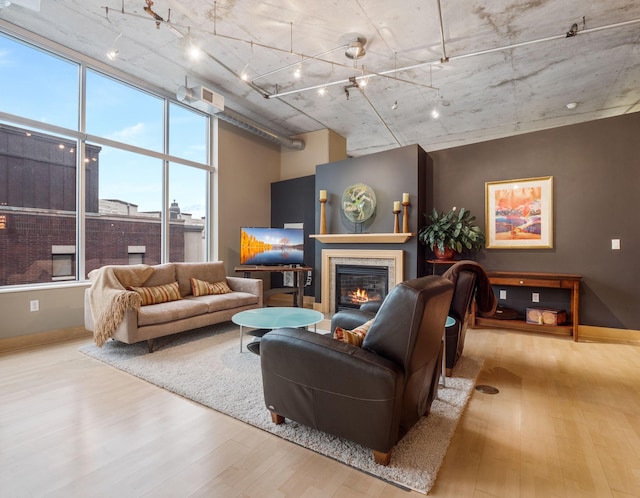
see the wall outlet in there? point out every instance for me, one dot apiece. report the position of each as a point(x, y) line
point(34, 305)
point(615, 244)
point(503, 294)
point(535, 297)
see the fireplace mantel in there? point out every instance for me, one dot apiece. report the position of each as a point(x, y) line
point(362, 238)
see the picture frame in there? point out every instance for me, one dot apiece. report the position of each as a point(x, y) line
point(519, 213)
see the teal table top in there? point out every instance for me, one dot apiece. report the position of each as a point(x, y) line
point(277, 317)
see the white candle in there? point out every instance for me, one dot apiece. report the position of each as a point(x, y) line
point(405, 197)
point(323, 195)
point(396, 205)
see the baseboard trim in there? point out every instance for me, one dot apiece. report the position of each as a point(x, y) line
point(604, 334)
point(42, 339)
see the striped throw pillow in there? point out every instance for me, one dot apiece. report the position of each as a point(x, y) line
point(202, 288)
point(355, 336)
point(158, 294)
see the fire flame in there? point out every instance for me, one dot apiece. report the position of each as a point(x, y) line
point(359, 296)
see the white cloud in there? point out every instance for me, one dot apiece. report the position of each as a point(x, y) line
point(126, 134)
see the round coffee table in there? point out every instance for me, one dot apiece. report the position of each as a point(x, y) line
point(276, 318)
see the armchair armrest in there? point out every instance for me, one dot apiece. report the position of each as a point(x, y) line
point(332, 386)
point(350, 319)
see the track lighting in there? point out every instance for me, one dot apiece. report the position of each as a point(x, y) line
point(573, 31)
point(244, 75)
point(394, 106)
point(298, 72)
point(112, 54)
point(435, 114)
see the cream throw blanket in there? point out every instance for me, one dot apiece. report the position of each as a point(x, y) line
point(109, 297)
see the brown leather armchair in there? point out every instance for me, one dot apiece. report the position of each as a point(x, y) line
point(470, 281)
point(371, 395)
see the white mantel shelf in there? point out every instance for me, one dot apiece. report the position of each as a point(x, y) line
point(362, 238)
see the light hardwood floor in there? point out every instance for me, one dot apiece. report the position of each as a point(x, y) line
point(565, 423)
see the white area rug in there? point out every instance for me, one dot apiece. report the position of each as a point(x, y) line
point(206, 366)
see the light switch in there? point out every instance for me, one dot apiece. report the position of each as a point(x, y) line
point(615, 244)
point(503, 294)
point(535, 297)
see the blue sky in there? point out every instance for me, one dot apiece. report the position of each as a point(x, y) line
point(45, 88)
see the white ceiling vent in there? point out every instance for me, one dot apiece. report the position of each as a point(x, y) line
point(201, 98)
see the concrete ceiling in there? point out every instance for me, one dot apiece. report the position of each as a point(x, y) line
point(511, 67)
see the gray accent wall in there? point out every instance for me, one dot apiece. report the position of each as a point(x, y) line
point(389, 174)
point(596, 174)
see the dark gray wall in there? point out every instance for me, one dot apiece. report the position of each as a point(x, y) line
point(596, 174)
point(292, 202)
point(389, 174)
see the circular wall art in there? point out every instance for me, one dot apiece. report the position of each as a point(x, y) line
point(359, 203)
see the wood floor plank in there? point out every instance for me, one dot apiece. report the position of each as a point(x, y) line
point(566, 423)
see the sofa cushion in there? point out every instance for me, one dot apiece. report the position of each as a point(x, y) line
point(209, 272)
point(170, 311)
point(220, 302)
point(157, 294)
point(162, 274)
point(355, 336)
point(202, 288)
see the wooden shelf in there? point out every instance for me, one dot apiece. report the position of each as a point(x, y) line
point(362, 238)
point(568, 281)
point(564, 329)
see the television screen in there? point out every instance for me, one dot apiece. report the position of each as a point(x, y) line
point(271, 246)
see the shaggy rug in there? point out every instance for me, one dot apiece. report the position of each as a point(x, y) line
point(206, 366)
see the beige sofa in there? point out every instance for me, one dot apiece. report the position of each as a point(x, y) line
point(157, 320)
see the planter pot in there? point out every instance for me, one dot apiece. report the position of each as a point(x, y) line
point(447, 254)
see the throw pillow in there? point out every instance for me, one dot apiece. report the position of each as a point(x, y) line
point(355, 336)
point(158, 294)
point(202, 288)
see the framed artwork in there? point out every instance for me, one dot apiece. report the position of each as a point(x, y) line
point(519, 213)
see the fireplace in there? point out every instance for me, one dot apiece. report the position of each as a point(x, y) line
point(390, 260)
point(358, 284)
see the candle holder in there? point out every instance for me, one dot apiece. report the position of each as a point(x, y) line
point(323, 216)
point(396, 221)
point(405, 216)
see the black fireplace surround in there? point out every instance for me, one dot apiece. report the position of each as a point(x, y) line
point(357, 284)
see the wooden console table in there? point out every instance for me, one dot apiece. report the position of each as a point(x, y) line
point(528, 279)
point(298, 281)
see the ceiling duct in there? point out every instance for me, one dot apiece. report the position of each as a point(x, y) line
point(251, 126)
point(208, 101)
point(201, 98)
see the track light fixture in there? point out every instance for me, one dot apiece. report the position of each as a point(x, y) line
point(573, 31)
point(394, 106)
point(113, 52)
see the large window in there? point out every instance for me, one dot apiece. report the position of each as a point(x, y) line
point(145, 197)
point(29, 88)
point(123, 113)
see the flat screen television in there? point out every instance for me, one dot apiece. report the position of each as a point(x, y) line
point(271, 246)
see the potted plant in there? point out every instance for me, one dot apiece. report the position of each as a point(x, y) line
point(451, 232)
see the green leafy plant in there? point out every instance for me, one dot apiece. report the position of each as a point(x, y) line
point(455, 230)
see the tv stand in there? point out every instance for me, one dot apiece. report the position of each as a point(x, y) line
point(298, 281)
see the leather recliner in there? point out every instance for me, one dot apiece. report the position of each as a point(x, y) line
point(370, 395)
point(460, 311)
point(471, 283)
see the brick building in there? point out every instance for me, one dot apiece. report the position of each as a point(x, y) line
point(38, 215)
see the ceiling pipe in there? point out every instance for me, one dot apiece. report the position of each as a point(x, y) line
point(444, 51)
point(457, 57)
point(237, 119)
